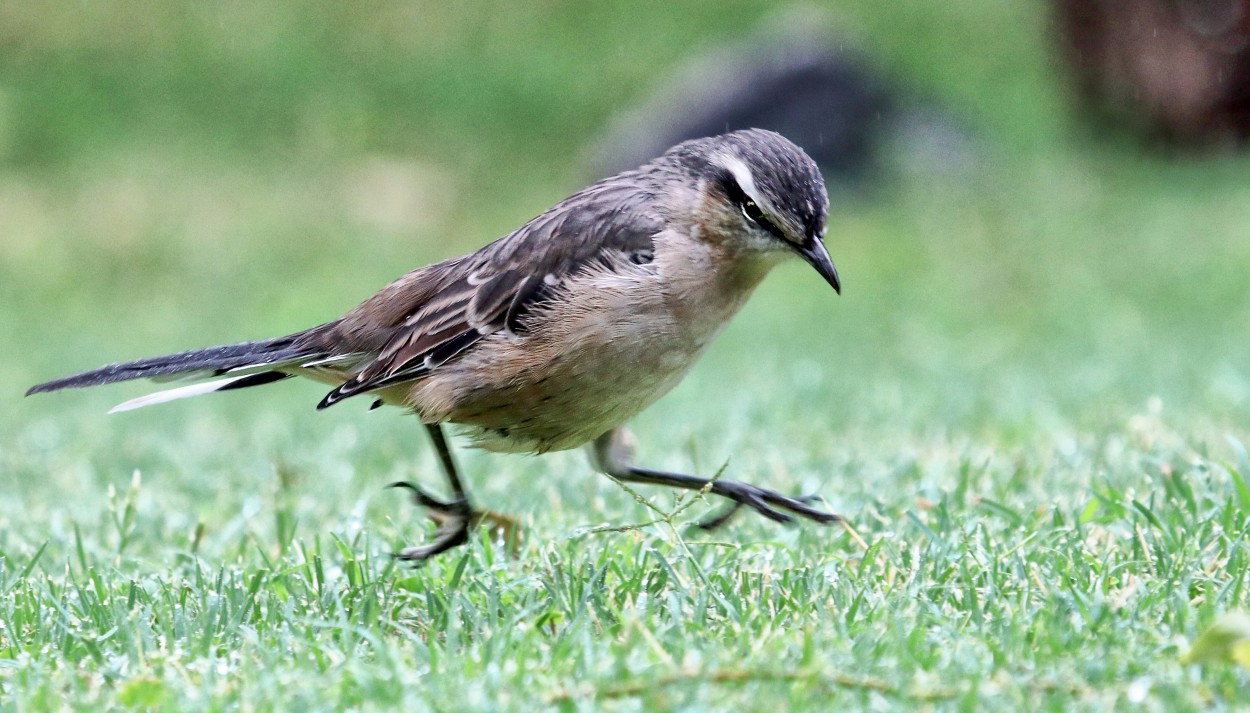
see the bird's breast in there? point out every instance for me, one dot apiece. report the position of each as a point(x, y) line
point(609, 346)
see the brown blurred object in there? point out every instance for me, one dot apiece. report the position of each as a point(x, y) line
point(1175, 70)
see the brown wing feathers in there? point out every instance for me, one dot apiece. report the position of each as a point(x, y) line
point(471, 308)
point(450, 306)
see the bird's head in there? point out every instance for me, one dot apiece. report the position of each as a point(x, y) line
point(759, 193)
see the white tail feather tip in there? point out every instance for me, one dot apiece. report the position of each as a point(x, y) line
point(182, 392)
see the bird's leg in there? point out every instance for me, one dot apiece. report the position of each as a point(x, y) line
point(613, 452)
point(455, 517)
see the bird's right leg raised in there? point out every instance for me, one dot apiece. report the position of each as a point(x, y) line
point(613, 452)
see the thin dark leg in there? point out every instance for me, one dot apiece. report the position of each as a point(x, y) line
point(444, 456)
point(613, 451)
point(453, 517)
point(768, 503)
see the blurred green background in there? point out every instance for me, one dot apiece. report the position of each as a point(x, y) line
point(176, 175)
point(182, 174)
point(185, 174)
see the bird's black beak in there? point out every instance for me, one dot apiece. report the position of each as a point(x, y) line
point(818, 257)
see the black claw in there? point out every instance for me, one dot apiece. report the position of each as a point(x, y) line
point(798, 506)
point(758, 504)
point(453, 532)
point(756, 500)
point(439, 510)
point(405, 484)
point(453, 520)
point(424, 499)
point(769, 503)
point(763, 502)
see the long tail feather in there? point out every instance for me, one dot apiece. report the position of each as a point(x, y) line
point(214, 361)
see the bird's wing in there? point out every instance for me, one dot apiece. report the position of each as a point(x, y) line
point(436, 313)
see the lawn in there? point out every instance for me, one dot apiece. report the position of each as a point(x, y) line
point(1031, 403)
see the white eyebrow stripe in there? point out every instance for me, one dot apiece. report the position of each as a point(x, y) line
point(742, 174)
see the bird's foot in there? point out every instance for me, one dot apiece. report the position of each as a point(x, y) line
point(454, 520)
point(768, 503)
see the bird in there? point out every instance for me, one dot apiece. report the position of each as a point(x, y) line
point(555, 335)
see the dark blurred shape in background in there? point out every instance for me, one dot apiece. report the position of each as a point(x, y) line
point(1175, 71)
point(793, 77)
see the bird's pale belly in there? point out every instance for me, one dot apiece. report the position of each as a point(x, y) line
point(586, 372)
point(581, 392)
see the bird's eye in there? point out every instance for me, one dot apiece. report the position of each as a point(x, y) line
point(750, 209)
point(754, 214)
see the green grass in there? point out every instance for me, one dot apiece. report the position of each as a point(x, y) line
point(1030, 403)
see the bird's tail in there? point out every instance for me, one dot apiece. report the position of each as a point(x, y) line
point(240, 365)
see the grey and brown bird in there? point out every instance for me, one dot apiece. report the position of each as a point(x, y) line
point(556, 334)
